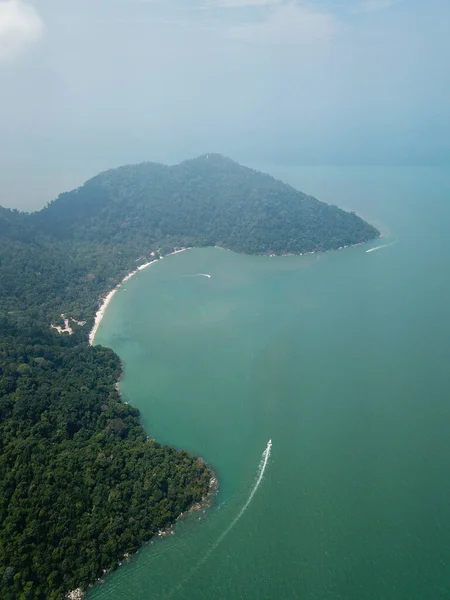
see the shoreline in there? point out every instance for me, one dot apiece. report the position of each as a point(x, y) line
point(205, 503)
point(107, 299)
point(207, 500)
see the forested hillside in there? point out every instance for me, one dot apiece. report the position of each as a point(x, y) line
point(61, 259)
point(80, 484)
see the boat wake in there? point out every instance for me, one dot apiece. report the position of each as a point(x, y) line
point(262, 467)
point(379, 247)
point(259, 477)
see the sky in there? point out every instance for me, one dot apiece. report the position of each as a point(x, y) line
point(92, 84)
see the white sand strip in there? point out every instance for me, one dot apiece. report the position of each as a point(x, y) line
point(107, 299)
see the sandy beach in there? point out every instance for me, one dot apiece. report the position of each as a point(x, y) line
point(107, 299)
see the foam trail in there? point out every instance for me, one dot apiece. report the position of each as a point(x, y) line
point(379, 247)
point(262, 467)
point(259, 477)
point(204, 275)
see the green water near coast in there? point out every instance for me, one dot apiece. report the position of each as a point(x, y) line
point(342, 360)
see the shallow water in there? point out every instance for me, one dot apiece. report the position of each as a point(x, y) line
point(342, 360)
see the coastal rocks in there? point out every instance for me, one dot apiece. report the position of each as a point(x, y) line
point(207, 500)
point(77, 594)
point(205, 503)
point(213, 483)
point(165, 532)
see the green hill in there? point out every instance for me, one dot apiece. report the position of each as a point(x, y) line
point(85, 241)
point(210, 200)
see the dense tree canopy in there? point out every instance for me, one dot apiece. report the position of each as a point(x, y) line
point(80, 483)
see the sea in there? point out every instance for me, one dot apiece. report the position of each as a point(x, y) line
point(317, 388)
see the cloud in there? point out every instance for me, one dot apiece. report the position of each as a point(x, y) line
point(241, 3)
point(299, 24)
point(372, 5)
point(20, 27)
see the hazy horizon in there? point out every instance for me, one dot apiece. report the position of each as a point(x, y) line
point(86, 88)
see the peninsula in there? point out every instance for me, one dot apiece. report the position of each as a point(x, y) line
point(81, 484)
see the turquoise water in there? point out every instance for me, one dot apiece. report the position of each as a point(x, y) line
point(342, 360)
